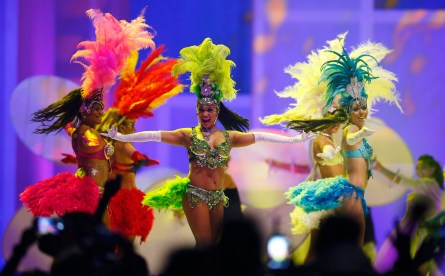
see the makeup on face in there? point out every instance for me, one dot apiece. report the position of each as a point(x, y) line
point(207, 114)
point(359, 112)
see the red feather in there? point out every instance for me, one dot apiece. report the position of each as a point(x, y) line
point(139, 93)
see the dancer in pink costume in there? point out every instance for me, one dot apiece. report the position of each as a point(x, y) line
point(83, 108)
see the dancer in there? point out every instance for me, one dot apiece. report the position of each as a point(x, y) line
point(308, 114)
point(201, 193)
point(84, 107)
point(428, 189)
point(325, 83)
point(360, 82)
point(137, 95)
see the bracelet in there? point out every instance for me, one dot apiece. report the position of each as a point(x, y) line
point(396, 175)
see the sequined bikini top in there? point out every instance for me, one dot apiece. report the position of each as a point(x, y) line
point(201, 152)
point(364, 151)
point(103, 154)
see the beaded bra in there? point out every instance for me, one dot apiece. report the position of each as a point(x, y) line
point(201, 152)
point(364, 151)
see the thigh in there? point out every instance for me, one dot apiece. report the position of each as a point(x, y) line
point(352, 206)
point(216, 220)
point(198, 219)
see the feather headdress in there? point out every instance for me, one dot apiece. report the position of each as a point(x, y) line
point(308, 90)
point(210, 71)
point(359, 76)
point(106, 56)
point(329, 79)
point(140, 92)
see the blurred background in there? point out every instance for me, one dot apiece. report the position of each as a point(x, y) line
point(265, 36)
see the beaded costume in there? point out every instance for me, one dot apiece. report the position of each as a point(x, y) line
point(211, 82)
point(323, 99)
point(103, 60)
point(364, 151)
point(201, 153)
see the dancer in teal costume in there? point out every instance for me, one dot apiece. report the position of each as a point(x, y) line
point(331, 91)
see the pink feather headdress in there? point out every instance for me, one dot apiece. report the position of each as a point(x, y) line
point(115, 40)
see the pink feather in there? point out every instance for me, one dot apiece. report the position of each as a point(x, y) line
point(105, 57)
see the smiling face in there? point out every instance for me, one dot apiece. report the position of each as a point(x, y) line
point(207, 115)
point(94, 117)
point(359, 113)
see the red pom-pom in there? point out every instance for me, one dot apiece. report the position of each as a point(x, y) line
point(128, 216)
point(63, 193)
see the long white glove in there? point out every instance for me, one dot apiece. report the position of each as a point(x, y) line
point(354, 138)
point(143, 136)
point(276, 138)
point(328, 152)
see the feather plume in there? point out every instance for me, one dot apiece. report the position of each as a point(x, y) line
point(208, 59)
point(140, 92)
point(105, 57)
point(308, 90)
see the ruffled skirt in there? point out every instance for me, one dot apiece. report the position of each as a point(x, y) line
point(169, 195)
point(128, 216)
point(63, 193)
point(315, 200)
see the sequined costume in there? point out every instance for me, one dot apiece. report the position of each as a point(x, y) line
point(201, 153)
point(66, 192)
point(210, 198)
point(364, 151)
point(171, 193)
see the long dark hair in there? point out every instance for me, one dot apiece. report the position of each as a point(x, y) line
point(232, 121)
point(330, 120)
point(431, 162)
point(57, 115)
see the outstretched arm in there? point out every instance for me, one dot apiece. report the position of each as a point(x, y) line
point(176, 137)
point(394, 176)
point(355, 135)
point(240, 139)
point(423, 183)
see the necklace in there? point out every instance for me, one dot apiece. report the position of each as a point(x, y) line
point(207, 132)
point(324, 134)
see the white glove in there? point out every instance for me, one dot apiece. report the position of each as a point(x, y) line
point(328, 152)
point(143, 136)
point(276, 138)
point(354, 138)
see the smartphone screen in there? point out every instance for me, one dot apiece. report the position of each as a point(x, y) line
point(47, 226)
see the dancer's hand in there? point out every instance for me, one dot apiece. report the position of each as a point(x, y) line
point(368, 132)
point(114, 134)
point(376, 165)
point(328, 152)
point(303, 137)
point(354, 138)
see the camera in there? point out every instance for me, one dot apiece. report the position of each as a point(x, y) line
point(278, 251)
point(49, 226)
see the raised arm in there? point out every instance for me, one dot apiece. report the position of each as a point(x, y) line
point(409, 182)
